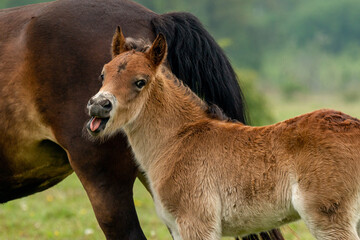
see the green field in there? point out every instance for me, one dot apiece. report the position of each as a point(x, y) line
point(64, 212)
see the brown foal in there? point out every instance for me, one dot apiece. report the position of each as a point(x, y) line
point(211, 177)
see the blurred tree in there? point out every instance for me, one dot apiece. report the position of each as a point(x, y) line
point(15, 3)
point(279, 39)
point(259, 111)
point(331, 24)
point(231, 20)
point(248, 29)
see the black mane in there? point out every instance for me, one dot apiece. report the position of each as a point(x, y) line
point(195, 58)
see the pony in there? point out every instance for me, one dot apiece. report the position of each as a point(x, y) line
point(51, 54)
point(211, 176)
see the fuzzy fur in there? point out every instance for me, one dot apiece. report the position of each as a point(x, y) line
point(211, 177)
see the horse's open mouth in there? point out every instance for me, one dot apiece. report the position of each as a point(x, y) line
point(96, 124)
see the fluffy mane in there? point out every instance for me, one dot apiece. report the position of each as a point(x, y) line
point(195, 58)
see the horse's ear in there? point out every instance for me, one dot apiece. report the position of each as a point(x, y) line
point(158, 50)
point(118, 42)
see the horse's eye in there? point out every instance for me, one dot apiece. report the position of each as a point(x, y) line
point(101, 77)
point(140, 83)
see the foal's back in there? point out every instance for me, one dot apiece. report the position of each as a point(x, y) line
point(304, 167)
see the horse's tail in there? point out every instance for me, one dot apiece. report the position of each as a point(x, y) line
point(274, 234)
point(196, 58)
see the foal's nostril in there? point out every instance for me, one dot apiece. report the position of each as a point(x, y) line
point(106, 104)
point(91, 102)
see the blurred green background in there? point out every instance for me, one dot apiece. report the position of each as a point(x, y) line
point(291, 57)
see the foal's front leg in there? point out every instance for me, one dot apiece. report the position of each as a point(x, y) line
point(199, 219)
point(192, 228)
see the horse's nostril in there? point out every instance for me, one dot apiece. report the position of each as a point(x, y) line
point(91, 101)
point(106, 104)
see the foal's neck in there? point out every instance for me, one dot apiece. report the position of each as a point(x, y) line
point(169, 107)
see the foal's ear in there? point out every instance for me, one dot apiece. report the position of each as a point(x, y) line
point(158, 50)
point(118, 42)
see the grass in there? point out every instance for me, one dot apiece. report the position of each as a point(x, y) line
point(64, 212)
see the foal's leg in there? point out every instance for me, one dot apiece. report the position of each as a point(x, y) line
point(326, 219)
point(192, 228)
point(358, 228)
point(199, 218)
point(332, 231)
point(329, 227)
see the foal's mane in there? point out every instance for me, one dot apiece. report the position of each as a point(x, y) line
point(139, 44)
point(195, 58)
point(212, 110)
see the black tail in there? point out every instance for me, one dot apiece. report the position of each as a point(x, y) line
point(196, 58)
point(274, 234)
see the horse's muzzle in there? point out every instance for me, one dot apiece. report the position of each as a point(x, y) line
point(99, 108)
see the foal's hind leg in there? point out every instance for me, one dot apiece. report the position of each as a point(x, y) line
point(327, 227)
point(332, 231)
point(326, 219)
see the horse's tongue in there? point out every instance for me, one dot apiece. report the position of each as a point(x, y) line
point(95, 123)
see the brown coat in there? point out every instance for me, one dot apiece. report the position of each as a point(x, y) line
point(212, 177)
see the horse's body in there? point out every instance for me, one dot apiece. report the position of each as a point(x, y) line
point(212, 177)
point(51, 54)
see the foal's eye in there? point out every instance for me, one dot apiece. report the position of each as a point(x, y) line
point(101, 77)
point(140, 83)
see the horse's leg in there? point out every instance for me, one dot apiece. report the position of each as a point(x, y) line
point(325, 228)
point(332, 231)
point(198, 219)
point(192, 228)
point(326, 221)
point(108, 176)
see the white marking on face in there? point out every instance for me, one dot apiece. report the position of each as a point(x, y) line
point(109, 96)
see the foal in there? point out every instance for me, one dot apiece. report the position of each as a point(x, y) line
point(210, 176)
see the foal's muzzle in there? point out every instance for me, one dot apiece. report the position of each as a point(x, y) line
point(99, 108)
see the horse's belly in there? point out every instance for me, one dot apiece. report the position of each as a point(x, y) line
point(32, 168)
point(254, 219)
point(30, 159)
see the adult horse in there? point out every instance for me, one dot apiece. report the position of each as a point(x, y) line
point(51, 55)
